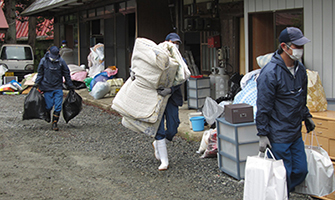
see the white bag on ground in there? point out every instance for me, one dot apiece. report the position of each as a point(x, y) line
point(212, 145)
point(204, 142)
point(3, 70)
point(211, 110)
point(320, 178)
point(265, 178)
point(100, 89)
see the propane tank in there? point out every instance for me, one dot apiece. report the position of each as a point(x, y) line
point(221, 83)
point(212, 83)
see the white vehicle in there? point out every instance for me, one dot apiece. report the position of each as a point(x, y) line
point(17, 58)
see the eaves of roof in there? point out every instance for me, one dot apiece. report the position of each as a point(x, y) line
point(51, 6)
point(3, 21)
point(22, 29)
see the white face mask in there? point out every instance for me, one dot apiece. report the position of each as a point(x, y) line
point(296, 53)
point(177, 46)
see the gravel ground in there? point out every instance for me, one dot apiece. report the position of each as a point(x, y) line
point(95, 157)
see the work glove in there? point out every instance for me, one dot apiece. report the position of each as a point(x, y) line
point(264, 142)
point(310, 126)
point(132, 75)
point(164, 91)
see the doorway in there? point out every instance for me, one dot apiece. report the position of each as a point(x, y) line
point(264, 29)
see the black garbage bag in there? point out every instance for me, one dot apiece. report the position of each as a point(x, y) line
point(235, 87)
point(34, 105)
point(77, 84)
point(72, 105)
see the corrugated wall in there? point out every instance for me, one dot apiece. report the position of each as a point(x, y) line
point(318, 27)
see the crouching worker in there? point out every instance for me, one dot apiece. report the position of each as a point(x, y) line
point(170, 116)
point(51, 70)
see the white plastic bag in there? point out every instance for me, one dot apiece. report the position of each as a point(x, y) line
point(212, 145)
point(208, 146)
point(100, 89)
point(3, 70)
point(96, 60)
point(211, 110)
point(204, 141)
point(320, 179)
point(265, 178)
point(264, 59)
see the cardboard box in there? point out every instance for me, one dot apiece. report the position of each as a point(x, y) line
point(239, 113)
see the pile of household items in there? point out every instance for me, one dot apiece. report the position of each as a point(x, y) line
point(98, 80)
point(243, 89)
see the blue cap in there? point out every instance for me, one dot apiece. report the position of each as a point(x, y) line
point(64, 42)
point(54, 52)
point(173, 37)
point(294, 35)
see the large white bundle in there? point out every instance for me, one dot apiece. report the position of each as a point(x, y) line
point(154, 66)
point(148, 128)
point(138, 99)
point(182, 73)
point(150, 63)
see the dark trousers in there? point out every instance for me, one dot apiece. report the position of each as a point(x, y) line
point(171, 115)
point(54, 99)
point(295, 161)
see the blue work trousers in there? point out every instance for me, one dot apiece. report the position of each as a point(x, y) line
point(171, 115)
point(54, 98)
point(295, 161)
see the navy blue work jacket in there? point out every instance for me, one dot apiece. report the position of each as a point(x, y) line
point(50, 74)
point(281, 101)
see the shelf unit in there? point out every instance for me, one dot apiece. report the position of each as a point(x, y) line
point(235, 143)
point(197, 91)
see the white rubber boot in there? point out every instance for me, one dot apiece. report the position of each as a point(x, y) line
point(167, 141)
point(161, 146)
point(154, 145)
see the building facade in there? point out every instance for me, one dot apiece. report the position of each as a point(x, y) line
point(113, 23)
point(265, 19)
point(241, 29)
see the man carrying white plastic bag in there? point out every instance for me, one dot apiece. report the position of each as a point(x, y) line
point(265, 178)
point(281, 106)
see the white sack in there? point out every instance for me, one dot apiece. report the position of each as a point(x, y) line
point(265, 179)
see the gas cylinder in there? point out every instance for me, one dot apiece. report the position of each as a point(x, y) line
point(221, 83)
point(212, 83)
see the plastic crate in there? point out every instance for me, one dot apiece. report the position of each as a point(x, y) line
point(198, 83)
point(7, 79)
point(235, 143)
point(196, 103)
point(199, 93)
